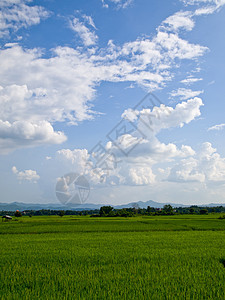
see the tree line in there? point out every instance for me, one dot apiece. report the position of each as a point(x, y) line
point(109, 211)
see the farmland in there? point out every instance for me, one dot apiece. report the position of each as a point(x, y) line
point(166, 257)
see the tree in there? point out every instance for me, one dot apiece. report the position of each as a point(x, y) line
point(18, 214)
point(105, 210)
point(135, 208)
point(150, 210)
point(61, 213)
point(192, 211)
point(168, 209)
point(203, 211)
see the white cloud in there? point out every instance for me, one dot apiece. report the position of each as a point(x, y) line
point(186, 171)
point(183, 113)
point(165, 117)
point(88, 37)
point(79, 161)
point(185, 93)
point(190, 80)
point(33, 87)
point(194, 2)
point(55, 89)
point(104, 4)
point(147, 164)
point(217, 127)
point(15, 14)
point(209, 6)
point(206, 165)
point(60, 88)
point(180, 20)
point(177, 47)
point(149, 151)
point(119, 3)
point(141, 176)
point(205, 10)
point(22, 134)
point(89, 20)
point(26, 175)
point(136, 168)
point(77, 158)
point(147, 62)
point(130, 114)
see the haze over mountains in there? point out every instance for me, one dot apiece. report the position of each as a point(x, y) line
point(86, 206)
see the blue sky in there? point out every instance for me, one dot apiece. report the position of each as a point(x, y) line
point(72, 70)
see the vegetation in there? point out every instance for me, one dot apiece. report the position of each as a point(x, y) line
point(109, 211)
point(142, 257)
point(61, 213)
point(18, 214)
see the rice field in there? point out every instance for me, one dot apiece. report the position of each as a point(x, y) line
point(166, 257)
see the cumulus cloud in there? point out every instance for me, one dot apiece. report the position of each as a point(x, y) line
point(141, 176)
point(77, 157)
point(15, 14)
point(60, 88)
point(164, 117)
point(22, 134)
point(81, 162)
point(206, 166)
point(26, 175)
point(109, 164)
point(37, 86)
point(33, 86)
point(141, 165)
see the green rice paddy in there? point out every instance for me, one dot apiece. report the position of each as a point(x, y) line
point(166, 257)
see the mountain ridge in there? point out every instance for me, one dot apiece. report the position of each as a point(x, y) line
point(89, 206)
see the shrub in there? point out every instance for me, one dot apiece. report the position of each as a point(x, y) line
point(61, 213)
point(18, 214)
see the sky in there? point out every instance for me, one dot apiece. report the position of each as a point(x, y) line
point(129, 94)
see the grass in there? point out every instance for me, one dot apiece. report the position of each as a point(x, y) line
point(174, 257)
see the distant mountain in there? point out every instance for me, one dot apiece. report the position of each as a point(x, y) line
point(150, 203)
point(25, 206)
point(88, 206)
point(34, 206)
